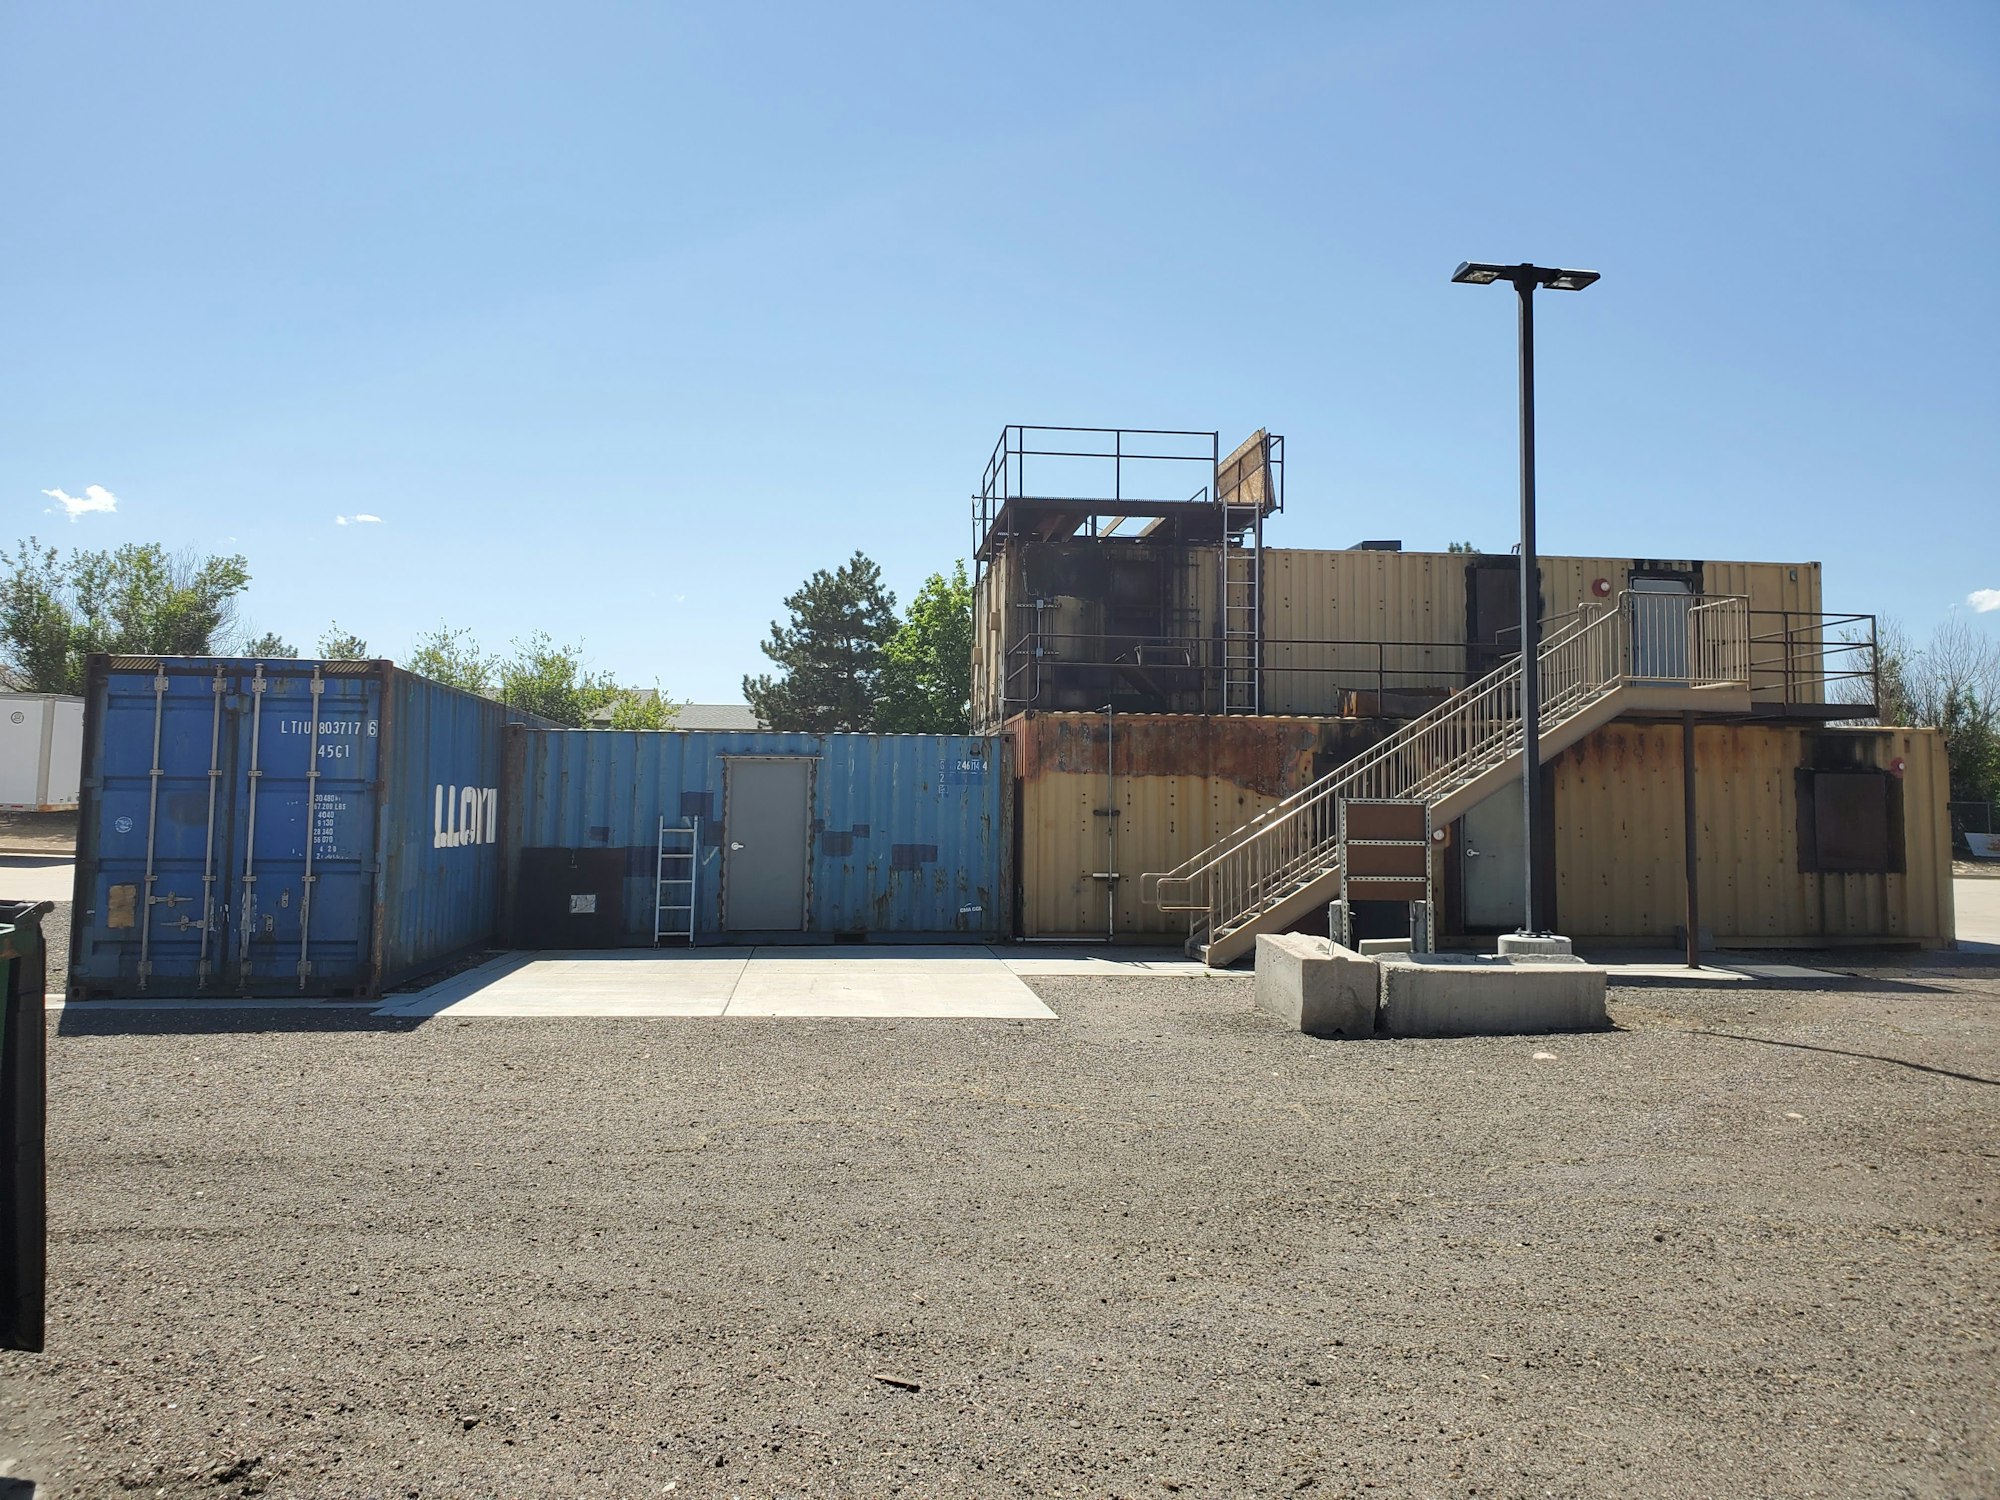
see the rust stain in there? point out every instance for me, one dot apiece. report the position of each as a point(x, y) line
point(1270, 756)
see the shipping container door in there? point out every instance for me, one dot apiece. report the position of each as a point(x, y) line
point(304, 846)
point(764, 869)
point(1657, 616)
point(1495, 854)
point(163, 806)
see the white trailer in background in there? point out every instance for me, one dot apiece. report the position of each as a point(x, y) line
point(41, 752)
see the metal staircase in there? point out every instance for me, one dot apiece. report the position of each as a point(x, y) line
point(1595, 665)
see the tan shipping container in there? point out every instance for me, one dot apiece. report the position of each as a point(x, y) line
point(1415, 604)
point(1178, 783)
point(1620, 851)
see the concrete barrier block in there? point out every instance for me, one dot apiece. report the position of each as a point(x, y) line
point(1537, 945)
point(1371, 947)
point(1461, 994)
point(1320, 989)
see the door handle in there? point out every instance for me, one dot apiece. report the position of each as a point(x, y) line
point(734, 845)
point(1470, 852)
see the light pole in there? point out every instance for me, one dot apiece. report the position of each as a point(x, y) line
point(1525, 279)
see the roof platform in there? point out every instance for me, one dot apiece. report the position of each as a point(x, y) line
point(1125, 484)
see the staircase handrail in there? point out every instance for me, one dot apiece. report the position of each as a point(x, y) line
point(1316, 792)
point(1476, 728)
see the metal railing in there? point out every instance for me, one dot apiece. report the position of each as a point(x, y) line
point(1804, 656)
point(1469, 734)
point(1092, 463)
point(1379, 666)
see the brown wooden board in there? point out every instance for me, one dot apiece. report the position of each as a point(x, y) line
point(1387, 890)
point(1388, 859)
point(1387, 820)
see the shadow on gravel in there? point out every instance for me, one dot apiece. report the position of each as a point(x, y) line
point(1901, 1062)
point(17, 1489)
point(81, 1019)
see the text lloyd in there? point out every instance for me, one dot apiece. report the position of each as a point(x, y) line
point(465, 815)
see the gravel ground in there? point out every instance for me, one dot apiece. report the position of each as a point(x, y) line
point(1742, 1245)
point(38, 833)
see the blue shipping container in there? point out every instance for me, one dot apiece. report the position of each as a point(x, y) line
point(899, 836)
point(280, 827)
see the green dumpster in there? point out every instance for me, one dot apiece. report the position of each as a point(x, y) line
point(23, 1080)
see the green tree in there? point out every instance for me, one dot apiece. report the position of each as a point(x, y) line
point(137, 600)
point(454, 658)
point(1971, 747)
point(550, 680)
point(643, 708)
point(1950, 683)
point(339, 645)
point(1466, 547)
point(830, 655)
point(927, 665)
point(270, 646)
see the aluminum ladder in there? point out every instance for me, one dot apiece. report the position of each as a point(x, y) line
point(674, 881)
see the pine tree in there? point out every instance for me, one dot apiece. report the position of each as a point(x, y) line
point(830, 655)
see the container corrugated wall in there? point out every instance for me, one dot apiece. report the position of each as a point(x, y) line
point(439, 894)
point(907, 835)
point(1359, 595)
point(302, 827)
point(1620, 854)
point(1179, 782)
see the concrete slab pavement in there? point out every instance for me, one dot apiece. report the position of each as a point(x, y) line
point(961, 982)
point(1977, 902)
point(33, 877)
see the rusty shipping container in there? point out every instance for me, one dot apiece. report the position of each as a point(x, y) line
point(1106, 798)
point(1064, 626)
point(825, 837)
point(281, 827)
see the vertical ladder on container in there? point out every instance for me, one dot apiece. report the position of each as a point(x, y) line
point(674, 885)
point(1242, 608)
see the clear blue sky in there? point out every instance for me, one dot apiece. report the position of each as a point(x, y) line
point(623, 318)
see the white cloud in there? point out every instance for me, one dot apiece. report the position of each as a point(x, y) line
point(1984, 601)
point(94, 497)
point(363, 519)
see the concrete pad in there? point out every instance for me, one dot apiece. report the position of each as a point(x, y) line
point(910, 984)
point(36, 878)
point(1316, 987)
point(1976, 903)
point(1673, 973)
point(1785, 971)
point(1109, 961)
point(694, 982)
point(1464, 994)
point(765, 981)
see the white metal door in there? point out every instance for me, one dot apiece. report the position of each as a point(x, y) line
point(1659, 628)
point(1495, 858)
point(765, 839)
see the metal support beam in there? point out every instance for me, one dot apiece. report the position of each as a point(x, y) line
point(1693, 849)
point(1531, 624)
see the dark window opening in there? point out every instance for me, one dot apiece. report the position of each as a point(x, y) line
point(1850, 822)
